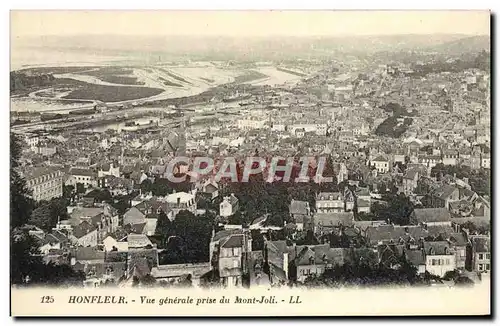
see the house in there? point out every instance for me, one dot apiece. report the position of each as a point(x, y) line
point(229, 206)
point(430, 216)
point(450, 157)
point(228, 249)
point(443, 196)
point(481, 253)
point(108, 169)
point(329, 202)
point(416, 257)
point(363, 205)
point(209, 189)
point(277, 256)
point(349, 199)
point(459, 242)
point(45, 183)
point(84, 234)
point(86, 177)
point(325, 222)
point(181, 201)
point(300, 213)
point(134, 216)
point(381, 164)
point(54, 240)
point(410, 180)
point(342, 173)
point(439, 257)
point(176, 273)
point(485, 160)
point(363, 200)
point(111, 244)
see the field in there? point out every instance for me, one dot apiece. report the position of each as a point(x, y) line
point(107, 93)
point(114, 75)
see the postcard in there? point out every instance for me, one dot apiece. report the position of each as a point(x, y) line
point(250, 163)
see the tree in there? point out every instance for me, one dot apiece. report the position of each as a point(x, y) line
point(398, 209)
point(68, 191)
point(21, 204)
point(46, 215)
point(80, 188)
point(187, 238)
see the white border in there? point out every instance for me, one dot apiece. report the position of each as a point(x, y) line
point(192, 4)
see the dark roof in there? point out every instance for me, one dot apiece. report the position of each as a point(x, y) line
point(318, 254)
point(443, 230)
point(334, 219)
point(437, 248)
point(224, 234)
point(425, 215)
point(386, 233)
point(38, 172)
point(234, 241)
point(411, 173)
point(82, 172)
point(89, 253)
point(444, 191)
point(83, 229)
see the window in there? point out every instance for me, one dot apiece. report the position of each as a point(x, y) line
point(235, 264)
point(480, 256)
point(447, 261)
point(487, 256)
point(480, 267)
point(487, 267)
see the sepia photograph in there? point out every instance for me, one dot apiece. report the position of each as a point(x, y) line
point(250, 163)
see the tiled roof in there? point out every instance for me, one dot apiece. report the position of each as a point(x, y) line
point(426, 215)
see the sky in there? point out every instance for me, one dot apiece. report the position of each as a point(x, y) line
point(248, 23)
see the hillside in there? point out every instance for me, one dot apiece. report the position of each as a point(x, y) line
point(465, 45)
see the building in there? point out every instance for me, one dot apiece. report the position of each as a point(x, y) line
point(229, 253)
point(326, 222)
point(481, 253)
point(300, 213)
point(410, 180)
point(229, 206)
point(381, 164)
point(86, 177)
point(84, 235)
point(431, 217)
point(443, 196)
point(439, 257)
point(45, 183)
point(181, 201)
point(247, 124)
point(108, 169)
point(329, 202)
